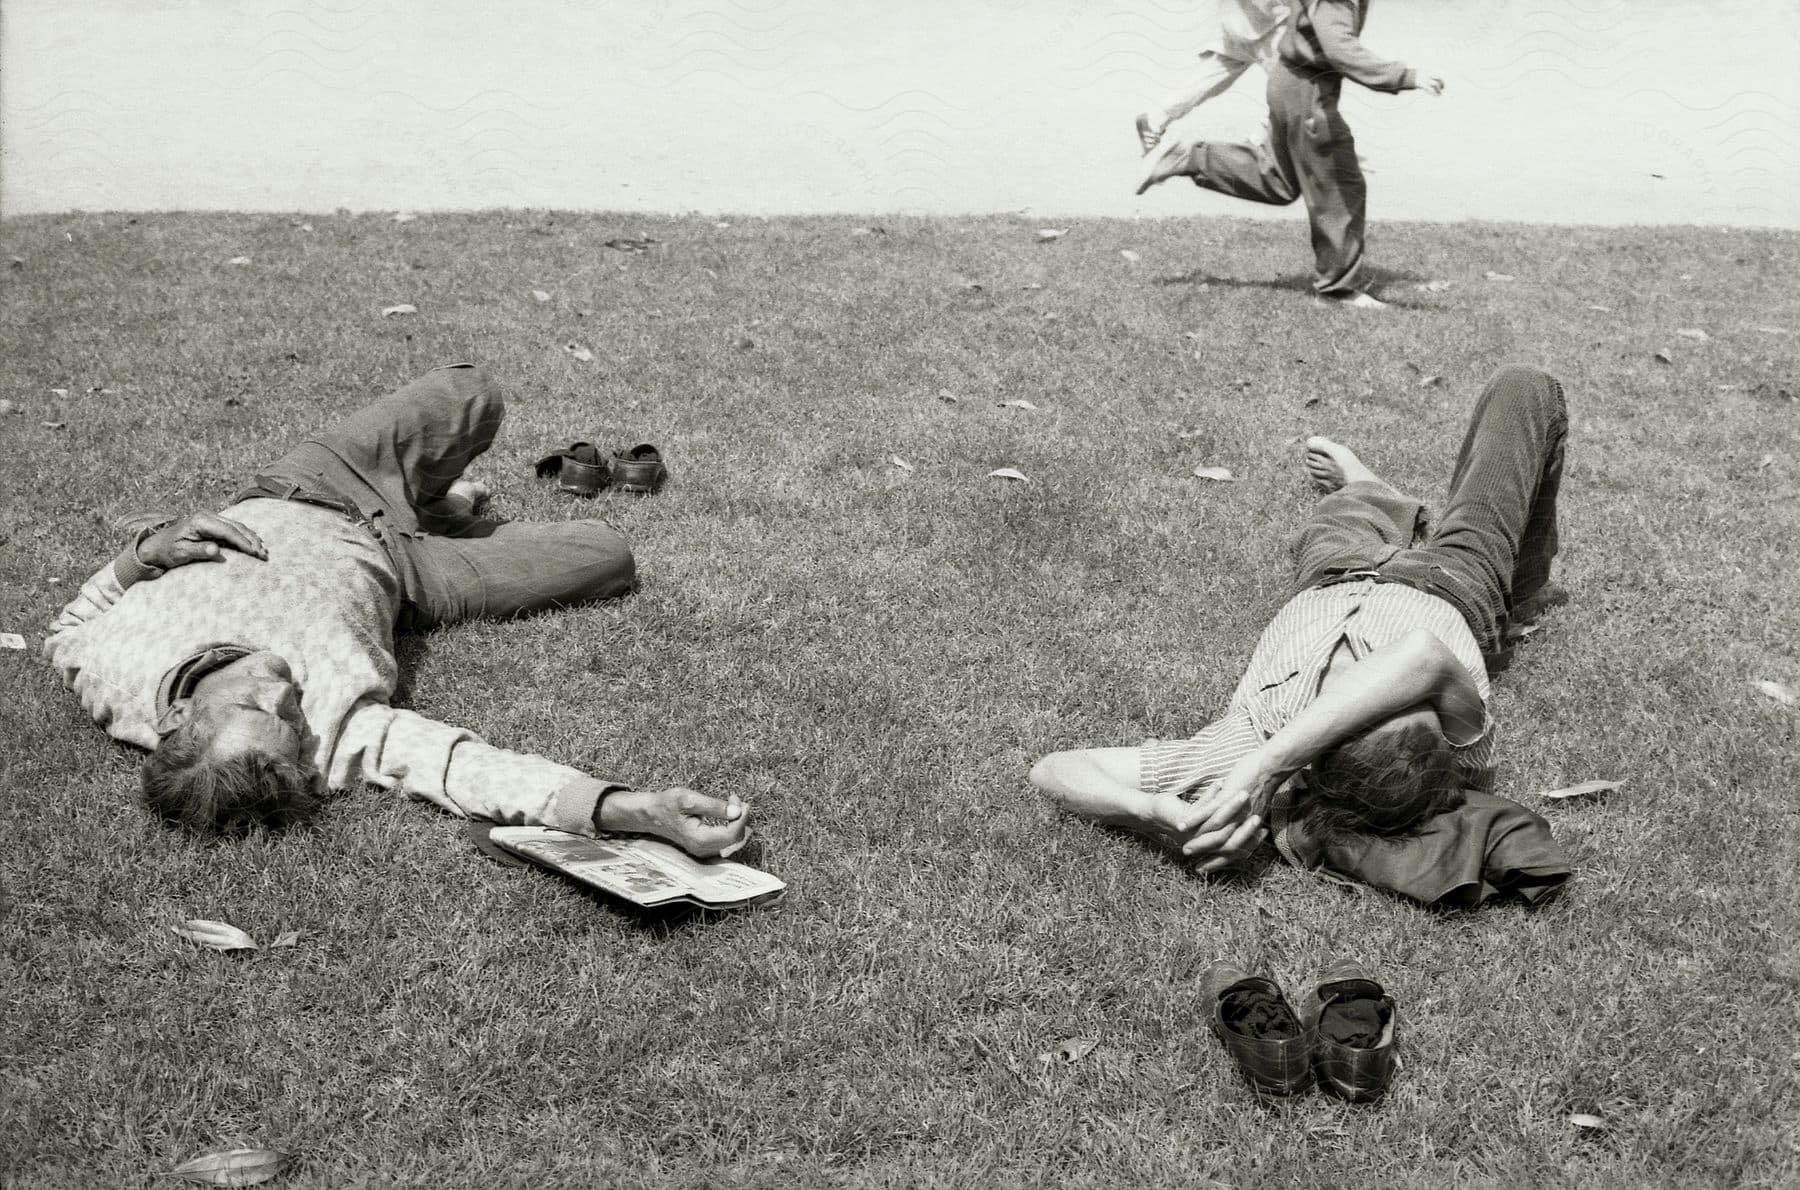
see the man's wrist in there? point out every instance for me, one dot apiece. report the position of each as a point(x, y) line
point(618, 808)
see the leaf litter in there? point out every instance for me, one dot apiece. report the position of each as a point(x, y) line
point(1778, 692)
point(1008, 473)
point(232, 1167)
point(1071, 1051)
point(1587, 789)
point(1216, 474)
point(214, 935)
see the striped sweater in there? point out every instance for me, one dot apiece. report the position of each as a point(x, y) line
point(325, 600)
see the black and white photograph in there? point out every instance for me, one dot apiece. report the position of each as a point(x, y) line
point(726, 594)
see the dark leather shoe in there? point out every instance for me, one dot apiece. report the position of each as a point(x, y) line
point(1353, 1021)
point(639, 469)
point(1253, 1021)
point(578, 468)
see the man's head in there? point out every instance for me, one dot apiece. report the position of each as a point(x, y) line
point(1387, 781)
point(236, 753)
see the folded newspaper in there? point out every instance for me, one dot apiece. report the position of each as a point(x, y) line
point(646, 872)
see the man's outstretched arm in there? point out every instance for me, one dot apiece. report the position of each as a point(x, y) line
point(456, 770)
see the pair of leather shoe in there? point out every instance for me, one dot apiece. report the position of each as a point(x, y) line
point(580, 469)
point(1344, 1039)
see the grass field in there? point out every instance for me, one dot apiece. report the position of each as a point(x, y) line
point(873, 656)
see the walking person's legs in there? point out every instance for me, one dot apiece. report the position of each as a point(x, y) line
point(1331, 181)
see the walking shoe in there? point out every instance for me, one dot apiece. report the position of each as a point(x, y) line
point(1355, 301)
point(1147, 135)
point(1160, 167)
point(639, 469)
point(578, 467)
point(1258, 1029)
point(1351, 1019)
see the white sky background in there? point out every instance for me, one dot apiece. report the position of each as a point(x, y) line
point(1557, 111)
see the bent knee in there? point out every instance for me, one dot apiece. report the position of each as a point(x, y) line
point(608, 568)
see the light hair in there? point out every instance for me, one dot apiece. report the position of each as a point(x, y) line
point(186, 784)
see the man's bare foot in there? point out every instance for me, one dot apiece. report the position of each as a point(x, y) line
point(1331, 465)
point(469, 496)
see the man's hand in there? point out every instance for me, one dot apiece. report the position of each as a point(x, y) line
point(198, 538)
point(695, 822)
point(1224, 825)
point(1431, 83)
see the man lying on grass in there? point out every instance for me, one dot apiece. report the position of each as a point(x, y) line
point(253, 651)
point(1369, 685)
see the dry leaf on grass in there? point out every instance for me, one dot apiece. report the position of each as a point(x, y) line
point(579, 352)
point(6, 407)
point(239, 260)
point(215, 935)
point(404, 216)
point(1072, 1050)
point(1583, 1120)
point(285, 939)
point(1433, 286)
point(11, 640)
point(947, 396)
point(53, 425)
point(1662, 357)
point(540, 295)
point(1585, 789)
point(1765, 462)
point(1778, 692)
point(59, 392)
point(402, 308)
point(1493, 276)
point(1430, 381)
point(1007, 473)
point(897, 461)
point(1694, 333)
point(1052, 233)
point(722, 225)
point(1602, 309)
point(1130, 256)
point(1216, 474)
point(1767, 330)
point(1020, 403)
point(231, 1167)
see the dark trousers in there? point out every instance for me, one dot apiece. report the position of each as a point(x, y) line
point(1309, 154)
point(1492, 548)
point(390, 464)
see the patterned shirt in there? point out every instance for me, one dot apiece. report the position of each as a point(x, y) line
point(325, 600)
point(1288, 665)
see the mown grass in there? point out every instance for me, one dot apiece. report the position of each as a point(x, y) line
point(874, 656)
